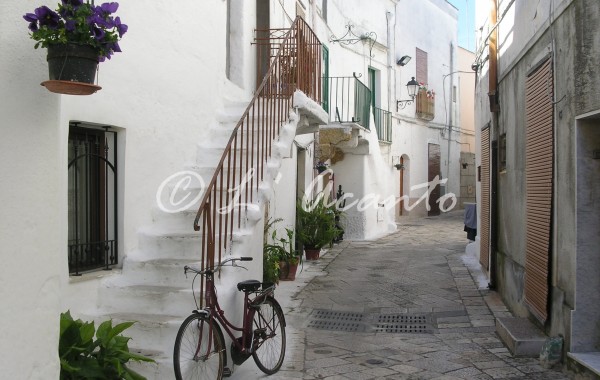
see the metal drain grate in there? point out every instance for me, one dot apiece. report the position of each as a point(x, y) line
point(337, 320)
point(333, 325)
point(404, 323)
point(338, 315)
point(360, 322)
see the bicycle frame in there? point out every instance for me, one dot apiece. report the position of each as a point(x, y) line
point(214, 311)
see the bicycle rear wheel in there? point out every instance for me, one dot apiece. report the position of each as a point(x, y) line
point(192, 357)
point(268, 336)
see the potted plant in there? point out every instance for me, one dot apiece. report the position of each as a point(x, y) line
point(77, 35)
point(289, 260)
point(271, 255)
point(315, 226)
point(321, 167)
point(399, 166)
point(280, 259)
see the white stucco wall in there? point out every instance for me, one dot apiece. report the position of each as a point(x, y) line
point(33, 198)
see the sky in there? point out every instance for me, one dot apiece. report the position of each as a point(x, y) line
point(466, 23)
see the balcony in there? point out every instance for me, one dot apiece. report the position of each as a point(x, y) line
point(347, 100)
point(425, 104)
point(383, 124)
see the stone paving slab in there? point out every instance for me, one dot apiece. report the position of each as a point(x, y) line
point(418, 269)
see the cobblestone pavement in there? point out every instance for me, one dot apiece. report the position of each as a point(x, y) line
point(405, 306)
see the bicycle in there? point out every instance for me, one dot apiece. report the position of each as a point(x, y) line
point(200, 351)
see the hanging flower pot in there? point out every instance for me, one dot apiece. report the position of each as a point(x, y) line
point(77, 35)
point(72, 62)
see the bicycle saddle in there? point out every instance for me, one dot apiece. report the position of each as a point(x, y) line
point(248, 285)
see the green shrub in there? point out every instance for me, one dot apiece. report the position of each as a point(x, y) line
point(316, 223)
point(82, 357)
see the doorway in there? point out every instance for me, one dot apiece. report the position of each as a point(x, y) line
point(584, 324)
point(432, 172)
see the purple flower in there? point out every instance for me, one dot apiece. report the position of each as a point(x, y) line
point(98, 33)
point(30, 17)
point(33, 21)
point(109, 8)
point(121, 28)
point(115, 47)
point(47, 17)
point(70, 25)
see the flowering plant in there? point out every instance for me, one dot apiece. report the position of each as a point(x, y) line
point(76, 21)
point(423, 87)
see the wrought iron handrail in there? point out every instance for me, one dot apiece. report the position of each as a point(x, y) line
point(233, 187)
point(383, 124)
point(349, 100)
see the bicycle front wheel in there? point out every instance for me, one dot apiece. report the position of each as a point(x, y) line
point(268, 336)
point(196, 354)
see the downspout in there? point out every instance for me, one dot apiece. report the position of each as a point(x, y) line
point(389, 60)
point(450, 118)
point(494, 108)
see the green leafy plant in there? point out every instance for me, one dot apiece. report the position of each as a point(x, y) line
point(271, 255)
point(82, 357)
point(315, 223)
point(280, 249)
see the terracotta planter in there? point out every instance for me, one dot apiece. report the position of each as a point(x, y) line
point(287, 272)
point(312, 254)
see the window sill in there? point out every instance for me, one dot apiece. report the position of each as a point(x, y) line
point(95, 275)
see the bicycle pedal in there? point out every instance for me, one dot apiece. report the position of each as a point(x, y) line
point(226, 372)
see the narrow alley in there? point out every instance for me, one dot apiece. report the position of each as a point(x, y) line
point(406, 306)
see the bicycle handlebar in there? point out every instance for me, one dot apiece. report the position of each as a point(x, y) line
point(216, 267)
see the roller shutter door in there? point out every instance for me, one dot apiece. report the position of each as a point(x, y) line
point(484, 234)
point(539, 153)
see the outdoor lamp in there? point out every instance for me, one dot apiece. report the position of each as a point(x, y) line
point(411, 86)
point(404, 60)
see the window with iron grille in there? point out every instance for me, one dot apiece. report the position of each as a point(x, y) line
point(92, 198)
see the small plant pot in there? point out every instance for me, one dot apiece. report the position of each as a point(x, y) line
point(312, 254)
point(72, 62)
point(287, 272)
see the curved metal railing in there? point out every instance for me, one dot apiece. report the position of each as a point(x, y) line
point(294, 64)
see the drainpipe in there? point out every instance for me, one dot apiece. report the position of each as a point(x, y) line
point(494, 108)
point(451, 118)
point(389, 60)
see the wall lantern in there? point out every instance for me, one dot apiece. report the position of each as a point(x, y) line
point(411, 86)
point(404, 60)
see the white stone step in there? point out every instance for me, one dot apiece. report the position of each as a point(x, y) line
point(161, 370)
point(158, 243)
point(151, 299)
point(168, 272)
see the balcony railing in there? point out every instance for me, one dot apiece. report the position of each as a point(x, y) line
point(383, 124)
point(294, 64)
point(425, 105)
point(349, 100)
